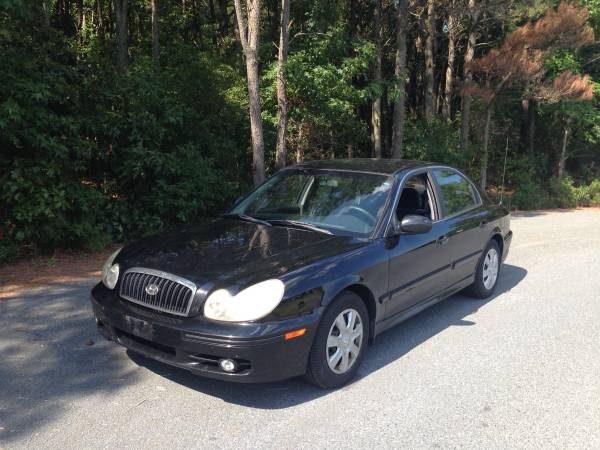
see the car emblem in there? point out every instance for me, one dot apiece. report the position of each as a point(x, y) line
point(151, 289)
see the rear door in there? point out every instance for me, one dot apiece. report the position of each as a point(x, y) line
point(466, 221)
point(418, 263)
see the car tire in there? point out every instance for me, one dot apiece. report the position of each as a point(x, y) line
point(490, 261)
point(323, 370)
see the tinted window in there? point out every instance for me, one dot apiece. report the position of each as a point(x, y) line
point(457, 192)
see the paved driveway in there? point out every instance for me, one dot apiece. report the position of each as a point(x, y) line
point(520, 370)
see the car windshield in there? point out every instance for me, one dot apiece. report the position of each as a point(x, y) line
point(347, 203)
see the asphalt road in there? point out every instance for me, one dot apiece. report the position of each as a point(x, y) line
point(519, 370)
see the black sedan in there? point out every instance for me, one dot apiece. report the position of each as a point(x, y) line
point(303, 273)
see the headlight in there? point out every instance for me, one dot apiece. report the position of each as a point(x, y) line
point(252, 303)
point(110, 271)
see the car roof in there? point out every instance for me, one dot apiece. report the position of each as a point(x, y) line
point(382, 166)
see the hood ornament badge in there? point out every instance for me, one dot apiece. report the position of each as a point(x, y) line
point(151, 289)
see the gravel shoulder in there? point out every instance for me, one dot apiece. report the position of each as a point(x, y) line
point(518, 370)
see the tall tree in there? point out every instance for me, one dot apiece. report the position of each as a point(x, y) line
point(120, 7)
point(249, 34)
point(449, 81)
point(400, 75)
point(377, 78)
point(155, 26)
point(473, 19)
point(519, 62)
point(280, 157)
point(430, 106)
point(567, 88)
point(100, 20)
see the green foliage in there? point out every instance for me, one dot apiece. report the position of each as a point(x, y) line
point(9, 251)
point(530, 195)
point(436, 141)
point(588, 195)
point(559, 193)
point(562, 193)
point(322, 90)
point(89, 154)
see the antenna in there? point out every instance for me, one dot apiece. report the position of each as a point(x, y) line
point(504, 171)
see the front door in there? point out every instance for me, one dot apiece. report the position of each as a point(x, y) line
point(418, 263)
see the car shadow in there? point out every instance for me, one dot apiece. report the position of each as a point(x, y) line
point(389, 347)
point(52, 356)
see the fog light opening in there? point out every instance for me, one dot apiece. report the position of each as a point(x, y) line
point(228, 365)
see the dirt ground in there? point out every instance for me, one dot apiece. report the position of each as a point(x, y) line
point(62, 267)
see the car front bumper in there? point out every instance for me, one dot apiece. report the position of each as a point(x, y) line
point(260, 350)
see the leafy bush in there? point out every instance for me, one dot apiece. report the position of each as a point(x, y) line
point(89, 154)
point(8, 251)
point(530, 195)
point(562, 193)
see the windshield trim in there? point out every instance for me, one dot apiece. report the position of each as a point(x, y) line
point(308, 170)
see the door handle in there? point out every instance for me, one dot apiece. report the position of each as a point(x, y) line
point(442, 240)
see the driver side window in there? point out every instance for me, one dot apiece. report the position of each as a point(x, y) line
point(415, 198)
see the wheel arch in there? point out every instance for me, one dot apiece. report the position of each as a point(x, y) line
point(365, 294)
point(497, 236)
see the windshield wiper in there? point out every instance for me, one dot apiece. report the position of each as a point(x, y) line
point(297, 224)
point(247, 218)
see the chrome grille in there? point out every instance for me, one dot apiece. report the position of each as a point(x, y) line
point(174, 294)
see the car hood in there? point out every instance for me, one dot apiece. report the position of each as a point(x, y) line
point(229, 252)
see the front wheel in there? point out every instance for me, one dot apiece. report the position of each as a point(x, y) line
point(340, 343)
point(486, 275)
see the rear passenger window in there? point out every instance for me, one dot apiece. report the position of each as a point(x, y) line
point(457, 192)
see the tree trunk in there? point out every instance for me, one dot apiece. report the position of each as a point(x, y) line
point(224, 18)
point(429, 63)
point(350, 149)
point(448, 86)
point(100, 20)
point(155, 41)
point(400, 74)
point(484, 150)
point(213, 21)
point(376, 107)
point(249, 38)
point(562, 162)
point(531, 126)
point(121, 26)
point(528, 125)
point(280, 157)
point(80, 15)
point(468, 77)
point(46, 11)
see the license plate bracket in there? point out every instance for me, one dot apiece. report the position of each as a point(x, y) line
point(139, 327)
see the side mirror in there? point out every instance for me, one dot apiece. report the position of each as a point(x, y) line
point(237, 200)
point(413, 224)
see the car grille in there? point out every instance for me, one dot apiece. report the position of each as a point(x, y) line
point(174, 294)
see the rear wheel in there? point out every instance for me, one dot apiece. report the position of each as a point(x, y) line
point(486, 275)
point(340, 343)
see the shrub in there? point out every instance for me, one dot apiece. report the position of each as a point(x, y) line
point(588, 195)
point(8, 251)
point(582, 195)
point(530, 195)
point(562, 193)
